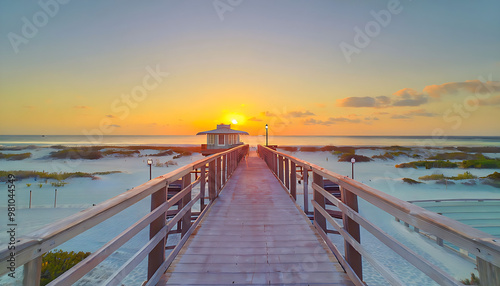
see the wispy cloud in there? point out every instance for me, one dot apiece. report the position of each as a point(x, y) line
point(365, 101)
point(114, 125)
point(254, 119)
point(411, 97)
point(472, 86)
point(299, 114)
point(413, 113)
point(110, 116)
point(330, 121)
point(495, 100)
point(81, 107)
point(399, 116)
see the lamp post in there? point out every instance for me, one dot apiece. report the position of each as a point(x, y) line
point(267, 142)
point(150, 162)
point(352, 169)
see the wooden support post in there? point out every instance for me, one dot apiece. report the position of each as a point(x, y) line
point(489, 274)
point(352, 256)
point(280, 168)
point(439, 241)
point(287, 174)
point(203, 179)
point(320, 200)
point(218, 175)
point(186, 219)
point(32, 272)
point(211, 181)
point(293, 181)
point(224, 169)
point(305, 182)
point(157, 254)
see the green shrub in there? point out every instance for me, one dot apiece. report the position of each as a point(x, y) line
point(56, 176)
point(494, 176)
point(428, 164)
point(15, 157)
point(359, 158)
point(432, 177)
point(411, 181)
point(482, 164)
point(457, 156)
point(55, 263)
point(472, 281)
point(465, 176)
point(89, 153)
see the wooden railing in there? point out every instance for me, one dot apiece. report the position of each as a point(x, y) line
point(214, 170)
point(485, 247)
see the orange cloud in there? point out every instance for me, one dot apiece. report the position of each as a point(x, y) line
point(472, 86)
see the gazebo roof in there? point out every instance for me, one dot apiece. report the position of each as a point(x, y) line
point(223, 129)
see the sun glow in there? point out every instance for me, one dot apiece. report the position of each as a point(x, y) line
point(234, 121)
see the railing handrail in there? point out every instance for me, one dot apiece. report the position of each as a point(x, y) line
point(35, 244)
point(479, 243)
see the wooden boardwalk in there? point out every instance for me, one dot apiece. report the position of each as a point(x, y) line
point(255, 234)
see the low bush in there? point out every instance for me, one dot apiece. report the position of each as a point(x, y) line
point(55, 263)
point(411, 181)
point(15, 157)
point(432, 177)
point(428, 164)
point(358, 158)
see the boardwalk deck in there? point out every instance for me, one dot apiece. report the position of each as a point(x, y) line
point(255, 234)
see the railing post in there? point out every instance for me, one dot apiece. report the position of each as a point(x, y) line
point(280, 168)
point(32, 272)
point(224, 169)
point(293, 180)
point(352, 256)
point(320, 200)
point(211, 181)
point(157, 254)
point(305, 179)
point(218, 174)
point(287, 174)
point(203, 179)
point(489, 274)
point(186, 219)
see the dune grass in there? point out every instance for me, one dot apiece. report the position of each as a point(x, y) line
point(15, 157)
point(457, 156)
point(411, 181)
point(20, 175)
point(428, 164)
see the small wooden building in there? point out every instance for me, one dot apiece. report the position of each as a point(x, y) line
point(221, 139)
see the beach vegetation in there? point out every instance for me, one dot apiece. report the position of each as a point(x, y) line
point(17, 148)
point(56, 262)
point(411, 181)
point(20, 175)
point(428, 164)
point(457, 156)
point(121, 153)
point(465, 176)
point(481, 164)
point(58, 184)
point(15, 157)
point(390, 155)
point(88, 153)
point(472, 281)
point(359, 158)
point(432, 177)
point(479, 149)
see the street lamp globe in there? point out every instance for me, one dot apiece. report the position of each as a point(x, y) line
point(150, 161)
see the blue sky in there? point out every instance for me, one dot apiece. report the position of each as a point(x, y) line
point(250, 60)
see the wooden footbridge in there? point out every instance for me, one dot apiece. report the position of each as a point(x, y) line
point(250, 230)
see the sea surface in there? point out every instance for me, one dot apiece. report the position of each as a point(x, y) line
point(81, 140)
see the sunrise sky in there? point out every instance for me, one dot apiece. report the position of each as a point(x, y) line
point(303, 67)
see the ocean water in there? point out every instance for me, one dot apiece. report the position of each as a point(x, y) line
point(82, 140)
point(82, 193)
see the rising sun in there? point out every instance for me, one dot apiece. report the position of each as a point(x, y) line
point(234, 121)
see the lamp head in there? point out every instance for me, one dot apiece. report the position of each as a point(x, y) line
point(353, 160)
point(266, 126)
point(150, 161)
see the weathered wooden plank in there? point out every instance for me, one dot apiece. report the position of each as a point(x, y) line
point(254, 223)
